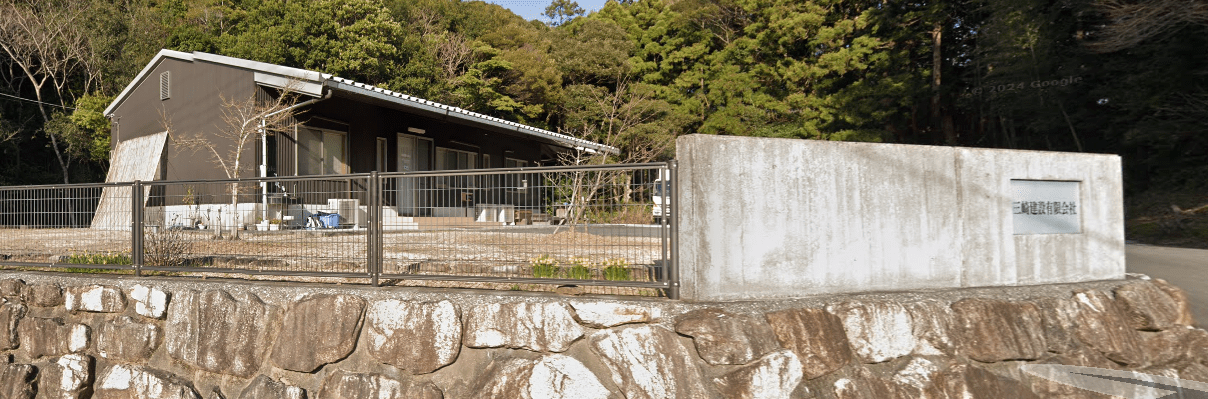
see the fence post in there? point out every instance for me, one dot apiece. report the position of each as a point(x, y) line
point(373, 226)
point(136, 227)
point(673, 273)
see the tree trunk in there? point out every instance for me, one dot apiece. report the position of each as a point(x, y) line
point(54, 142)
point(1074, 133)
point(937, 66)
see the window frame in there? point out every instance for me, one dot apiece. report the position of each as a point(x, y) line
point(382, 152)
point(515, 163)
point(471, 156)
point(323, 145)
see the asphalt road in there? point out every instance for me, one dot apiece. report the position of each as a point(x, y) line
point(1183, 267)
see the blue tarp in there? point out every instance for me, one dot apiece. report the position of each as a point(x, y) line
point(323, 220)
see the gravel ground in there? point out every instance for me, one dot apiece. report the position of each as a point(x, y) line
point(499, 252)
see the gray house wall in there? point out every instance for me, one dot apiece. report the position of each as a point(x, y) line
point(194, 109)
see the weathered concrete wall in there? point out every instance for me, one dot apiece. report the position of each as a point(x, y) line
point(78, 336)
point(779, 218)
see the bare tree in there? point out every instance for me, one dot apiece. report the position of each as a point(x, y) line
point(243, 121)
point(1132, 22)
point(454, 52)
point(452, 49)
point(624, 118)
point(45, 41)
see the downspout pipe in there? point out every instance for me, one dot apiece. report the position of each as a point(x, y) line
point(264, 147)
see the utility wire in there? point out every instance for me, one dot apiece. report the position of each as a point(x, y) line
point(35, 101)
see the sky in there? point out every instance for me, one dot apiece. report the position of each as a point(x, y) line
point(532, 9)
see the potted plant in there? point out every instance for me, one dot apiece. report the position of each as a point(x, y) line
point(274, 224)
point(261, 224)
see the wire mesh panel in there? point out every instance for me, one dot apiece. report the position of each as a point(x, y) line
point(592, 226)
point(602, 227)
point(287, 226)
point(68, 225)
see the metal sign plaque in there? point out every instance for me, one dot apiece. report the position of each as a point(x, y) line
point(1046, 207)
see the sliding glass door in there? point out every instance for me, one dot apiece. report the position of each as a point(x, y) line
point(414, 155)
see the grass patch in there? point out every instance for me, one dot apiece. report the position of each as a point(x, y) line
point(545, 266)
point(616, 270)
point(97, 259)
point(580, 269)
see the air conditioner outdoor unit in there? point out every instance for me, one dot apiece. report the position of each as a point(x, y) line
point(349, 210)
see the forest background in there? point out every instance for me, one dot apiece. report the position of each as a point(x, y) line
point(1106, 76)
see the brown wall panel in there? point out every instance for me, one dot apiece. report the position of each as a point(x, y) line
point(194, 111)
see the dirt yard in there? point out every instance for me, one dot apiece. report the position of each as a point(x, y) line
point(501, 252)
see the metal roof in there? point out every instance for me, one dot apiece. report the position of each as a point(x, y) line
point(312, 83)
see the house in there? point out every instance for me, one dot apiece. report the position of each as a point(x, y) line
point(343, 127)
point(346, 126)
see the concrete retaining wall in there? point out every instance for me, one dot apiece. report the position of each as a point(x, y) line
point(781, 218)
point(79, 336)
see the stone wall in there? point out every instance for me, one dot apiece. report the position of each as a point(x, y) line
point(78, 336)
point(763, 218)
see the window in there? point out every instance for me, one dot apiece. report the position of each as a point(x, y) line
point(165, 91)
point(414, 153)
point(448, 159)
point(486, 161)
point(514, 163)
point(321, 152)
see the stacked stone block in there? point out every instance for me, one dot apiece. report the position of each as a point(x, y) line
point(79, 336)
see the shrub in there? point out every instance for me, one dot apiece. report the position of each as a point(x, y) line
point(544, 266)
point(166, 247)
point(616, 270)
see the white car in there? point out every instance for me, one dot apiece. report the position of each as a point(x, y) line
point(662, 200)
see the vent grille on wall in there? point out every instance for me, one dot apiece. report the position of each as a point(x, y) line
point(164, 92)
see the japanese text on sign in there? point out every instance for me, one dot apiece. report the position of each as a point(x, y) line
point(1045, 207)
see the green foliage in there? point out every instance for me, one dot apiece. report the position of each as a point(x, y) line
point(580, 269)
point(107, 258)
point(545, 266)
point(355, 39)
point(561, 11)
point(616, 270)
point(591, 51)
point(85, 131)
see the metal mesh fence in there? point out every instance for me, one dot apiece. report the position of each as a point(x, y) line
point(529, 228)
point(269, 226)
point(62, 224)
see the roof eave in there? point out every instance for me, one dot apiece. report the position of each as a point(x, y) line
point(464, 115)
